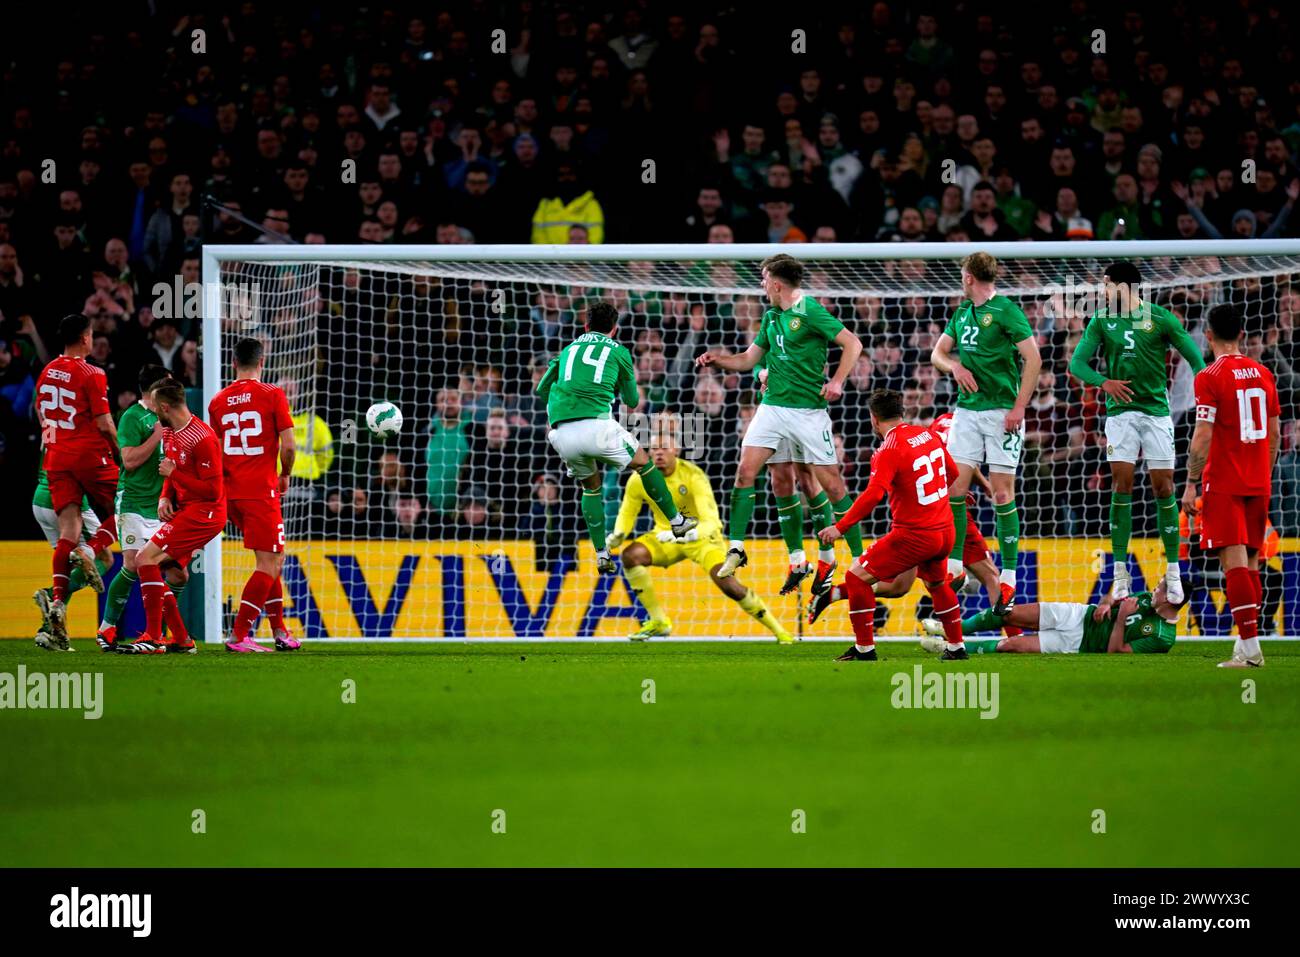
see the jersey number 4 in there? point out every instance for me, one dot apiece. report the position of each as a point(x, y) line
point(598, 363)
point(240, 427)
point(928, 463)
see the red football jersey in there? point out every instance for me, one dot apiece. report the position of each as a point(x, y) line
point(913, 467)
point(197, 454)
point(249, 416)
point(70, 394)
point(1237, 396)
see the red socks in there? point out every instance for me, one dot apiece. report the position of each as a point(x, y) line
point(152, 590)
point(175, 623)
point(862, 607)
point(275, 606)
point(105, 536)
point(62, 567)
point(251, 602)
point(948, 610)
point(1243, 590)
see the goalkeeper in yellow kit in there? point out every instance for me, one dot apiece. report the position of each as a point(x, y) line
point(703, 545)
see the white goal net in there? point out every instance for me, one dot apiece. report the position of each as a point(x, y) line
point(465, 526)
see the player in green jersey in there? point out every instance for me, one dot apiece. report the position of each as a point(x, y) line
point(139, 486)
point(1144, 623)
point(48, 520)
point(579, 387)
point(794, 339)
point(1135, 337)
point(989, 349)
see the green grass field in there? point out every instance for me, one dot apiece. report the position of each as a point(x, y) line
point(739, 737)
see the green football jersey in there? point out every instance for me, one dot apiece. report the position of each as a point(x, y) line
point(138, 489)
point(796, 342)
point(583, 380)
point(1135, 347)
point(1145, 631)
point(985, 339)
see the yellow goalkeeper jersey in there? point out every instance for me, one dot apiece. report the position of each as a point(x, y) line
point(691, 493)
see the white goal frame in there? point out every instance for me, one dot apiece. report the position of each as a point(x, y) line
point(214, 255)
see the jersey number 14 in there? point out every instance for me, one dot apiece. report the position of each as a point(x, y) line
point(598, 363)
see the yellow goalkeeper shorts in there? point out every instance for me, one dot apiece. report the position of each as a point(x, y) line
point(706, 553)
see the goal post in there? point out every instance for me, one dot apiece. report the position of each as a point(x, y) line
point(465, 527)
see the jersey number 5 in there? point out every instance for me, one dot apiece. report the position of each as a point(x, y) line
point(928, 462)
point(241, 426)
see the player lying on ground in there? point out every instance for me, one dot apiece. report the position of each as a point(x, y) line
point(1145, 623)
point(912, 467)
point(255, 431)
point(975, 555)
point(1234, 449)
point(1135, 338)
point(193, 510)
point(691, 492)
point(48, 520)
point(139, 486)
point(80, 460)
point(989, 349)
point(579, 387)
point(794, 339)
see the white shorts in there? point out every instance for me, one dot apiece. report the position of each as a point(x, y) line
point(1060, 627)
point(787, 451)
point(981, 438)
point(48, 520)
point(806, 432)
point(133, 529)
point(583, 443)
point(1131, 432)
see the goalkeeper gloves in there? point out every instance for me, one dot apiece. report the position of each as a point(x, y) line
point(668, 535)
point(614, 539)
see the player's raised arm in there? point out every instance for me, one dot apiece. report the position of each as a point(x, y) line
point(549, 378)
point(627, 387)
point(134, 456)
point(941, 358)
point(1184, 343)
point(850, 348)
point(734, 362)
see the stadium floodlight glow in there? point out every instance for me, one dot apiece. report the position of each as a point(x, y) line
point(349, 325)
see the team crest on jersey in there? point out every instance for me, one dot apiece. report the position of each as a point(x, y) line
point(130, 539)
point(986, 319)
point(1110, 450)
point(1147, 628)
point(795, 324)
point(1147, 325)
point(182, 457)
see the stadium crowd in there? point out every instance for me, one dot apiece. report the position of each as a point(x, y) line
point(123, 148)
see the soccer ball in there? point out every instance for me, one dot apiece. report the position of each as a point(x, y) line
point(384, 419)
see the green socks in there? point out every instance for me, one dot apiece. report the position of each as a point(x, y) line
point(593, 513)
point(655, 486)
point(958, 506)
point(981, 621)
point(1121, 525)
point(1167, 510)
point(1008, 527)
point(740, 512)
point(983, 646)
point(820, 507)
point(789, 512)
point(854, 535)
point(119, 590)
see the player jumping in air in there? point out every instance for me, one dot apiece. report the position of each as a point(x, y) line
point(579, 387)
point(139, 486)
point(1233, 450)
point(253, 424)
point(989, 349)
point(691, 490)
point(1145, 623)
point(48, 520)
point(193, 510)
point(912, 466)
point(794, 339)
point(80, 443)
point(1135, 338)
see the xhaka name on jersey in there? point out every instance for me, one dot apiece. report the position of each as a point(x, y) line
point(1248, 373)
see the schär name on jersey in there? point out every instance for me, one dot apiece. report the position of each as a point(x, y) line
point(242, 399)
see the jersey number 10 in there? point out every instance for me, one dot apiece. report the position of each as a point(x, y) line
point(1253, 429)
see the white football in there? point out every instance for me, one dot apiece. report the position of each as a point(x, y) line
point(384, 419)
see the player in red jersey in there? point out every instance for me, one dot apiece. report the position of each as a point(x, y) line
point(193, 510)
point(975, 553)
point(255, 428)
point(912, 466)
point(81, 454)
point(1234, 449)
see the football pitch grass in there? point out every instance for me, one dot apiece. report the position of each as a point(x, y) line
point(742, 743)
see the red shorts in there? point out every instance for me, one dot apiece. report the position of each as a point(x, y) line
point(1228, 519)
point(925, 549)
point(97, 482)
point(192, 528)
point(260, 521)
point(974, 550)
